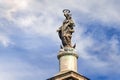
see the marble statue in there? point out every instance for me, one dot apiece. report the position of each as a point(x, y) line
point(66, 30)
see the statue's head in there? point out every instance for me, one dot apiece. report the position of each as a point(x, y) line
point(67, 13)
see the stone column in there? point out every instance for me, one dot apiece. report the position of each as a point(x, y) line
point(67, 59)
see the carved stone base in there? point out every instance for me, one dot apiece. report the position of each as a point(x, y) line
point(68, 65)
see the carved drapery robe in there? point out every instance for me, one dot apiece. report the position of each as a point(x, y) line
point(66, 30)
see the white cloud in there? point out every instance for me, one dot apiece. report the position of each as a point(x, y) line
point(104, 62)
point(105, 10)
point(83, 42)
point(114, 45)
point(9, 7)
point(12, 68)
point(36, 16)
point(4, 40)
point(25, 21)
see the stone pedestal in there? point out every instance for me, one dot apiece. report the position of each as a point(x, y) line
point(67, 60)
point(68, 66)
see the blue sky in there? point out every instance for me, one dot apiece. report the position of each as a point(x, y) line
point(29, 43)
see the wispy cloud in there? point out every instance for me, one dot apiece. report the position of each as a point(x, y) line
point(16, 69)
point(5, 41)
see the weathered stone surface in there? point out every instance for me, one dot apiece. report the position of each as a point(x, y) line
point(66, 30)
point(67, 59)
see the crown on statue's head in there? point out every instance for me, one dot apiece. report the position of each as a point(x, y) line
point(66, 11)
